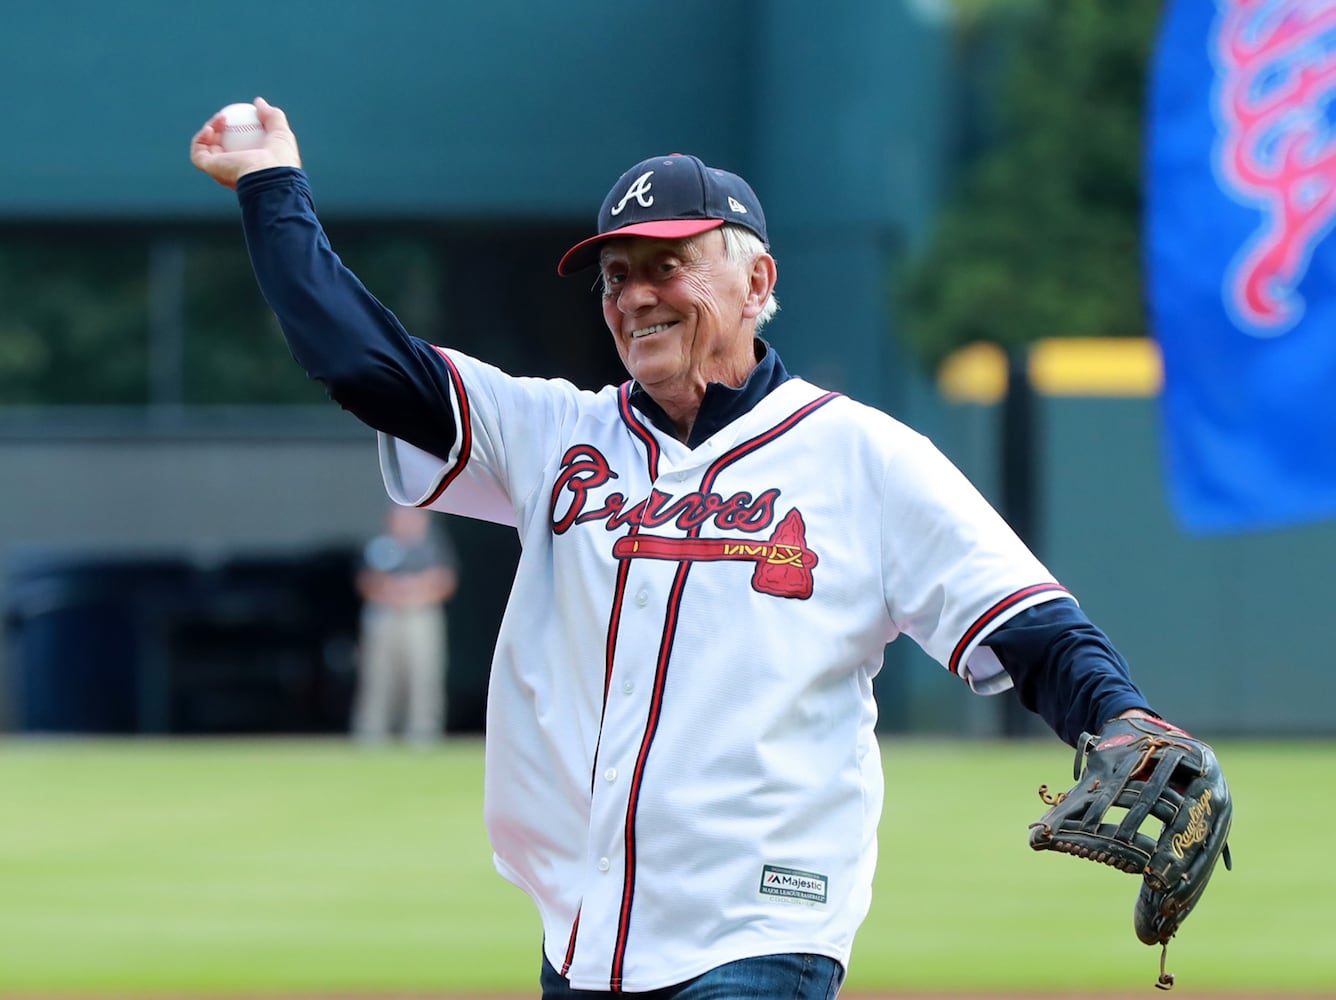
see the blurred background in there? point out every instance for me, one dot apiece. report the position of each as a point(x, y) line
point(957, 198)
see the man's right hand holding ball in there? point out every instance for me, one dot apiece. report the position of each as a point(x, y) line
point(279, 148)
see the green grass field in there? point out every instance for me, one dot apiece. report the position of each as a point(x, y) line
point(259, 868)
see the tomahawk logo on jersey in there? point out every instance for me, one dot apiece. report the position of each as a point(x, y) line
point(783, 561)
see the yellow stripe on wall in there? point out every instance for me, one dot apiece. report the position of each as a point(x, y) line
point(1096, 366)
point(976, 373)
point(1058, 366)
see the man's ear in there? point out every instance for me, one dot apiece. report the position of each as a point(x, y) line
point(761, 283)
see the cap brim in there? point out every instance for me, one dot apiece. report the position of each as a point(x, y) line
point(585, 253)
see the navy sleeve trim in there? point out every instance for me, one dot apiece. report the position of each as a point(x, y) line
point(465, 437)
point(992, 614)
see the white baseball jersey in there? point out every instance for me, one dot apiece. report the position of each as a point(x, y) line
point(681, 763)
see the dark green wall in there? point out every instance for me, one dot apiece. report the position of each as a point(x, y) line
point(1224, 633)
point(424, 107)
point(521, 111)
point(511, 111)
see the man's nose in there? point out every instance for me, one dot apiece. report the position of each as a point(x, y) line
point(635, 294)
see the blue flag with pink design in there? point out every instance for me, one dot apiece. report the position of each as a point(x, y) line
point(1241, 258)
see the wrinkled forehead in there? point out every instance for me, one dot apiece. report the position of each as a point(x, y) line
point(627, 249)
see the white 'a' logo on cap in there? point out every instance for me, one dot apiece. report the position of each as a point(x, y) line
point(639, 191)
point(736, 205)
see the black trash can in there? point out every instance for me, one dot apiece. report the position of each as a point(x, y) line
point(76, 628)
point(257, 651)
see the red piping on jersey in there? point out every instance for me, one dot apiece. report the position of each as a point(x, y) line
point(747, 447)
point(464, 430)
point(570, 946)
point(651, 726)
point(610, 644)
point(992, 614)
point(661, 674)
point(652, 454)
point(639, 430)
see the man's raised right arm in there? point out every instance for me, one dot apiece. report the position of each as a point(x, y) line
point(335, 328)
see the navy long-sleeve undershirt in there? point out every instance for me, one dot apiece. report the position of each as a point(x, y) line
point(1065, 669)
point(337, 330)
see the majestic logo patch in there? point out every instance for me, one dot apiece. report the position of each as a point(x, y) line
point(639, 190)
point(793, 884)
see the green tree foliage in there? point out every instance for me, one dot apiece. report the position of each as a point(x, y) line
point(1041, 237)
point(77, 317)
point(234, 351)
point(73, 319)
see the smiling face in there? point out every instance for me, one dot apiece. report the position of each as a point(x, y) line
point(682, 315)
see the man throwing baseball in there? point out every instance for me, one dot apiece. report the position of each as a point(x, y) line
point(681, 765)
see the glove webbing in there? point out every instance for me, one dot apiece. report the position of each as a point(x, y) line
point(1156, 795)
point(1155, 787)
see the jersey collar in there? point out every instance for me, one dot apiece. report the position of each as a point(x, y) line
point(722, 404)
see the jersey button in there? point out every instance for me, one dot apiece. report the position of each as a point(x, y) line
point(628, 687)
point(610, 774)
point(604, 864)
point(642, 597)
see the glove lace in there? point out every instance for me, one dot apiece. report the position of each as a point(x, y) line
point(1166, 980)
point(1050, 799)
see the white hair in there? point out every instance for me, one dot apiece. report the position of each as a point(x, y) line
point(742, 246)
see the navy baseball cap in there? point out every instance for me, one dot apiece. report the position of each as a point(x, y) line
point(669, 198)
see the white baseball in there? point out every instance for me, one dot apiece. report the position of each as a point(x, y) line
point(242, 128)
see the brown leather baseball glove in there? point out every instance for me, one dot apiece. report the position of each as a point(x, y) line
point(1145, 772)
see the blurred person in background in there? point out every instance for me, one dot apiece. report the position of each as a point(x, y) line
point(408, 573)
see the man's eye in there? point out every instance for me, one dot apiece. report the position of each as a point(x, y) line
point(613, 279)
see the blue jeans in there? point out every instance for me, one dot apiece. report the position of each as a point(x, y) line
point(769, 977)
